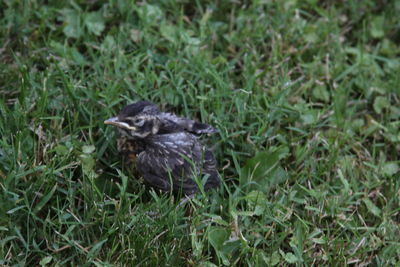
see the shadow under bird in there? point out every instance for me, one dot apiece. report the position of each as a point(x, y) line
point(165, 148)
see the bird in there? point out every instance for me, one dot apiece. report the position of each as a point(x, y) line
point(166, 148)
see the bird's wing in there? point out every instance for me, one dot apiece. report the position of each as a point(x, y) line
point(172, 159)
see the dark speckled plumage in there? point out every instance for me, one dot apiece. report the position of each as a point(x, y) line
point(165, 148)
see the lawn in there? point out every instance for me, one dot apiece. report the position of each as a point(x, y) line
point(305, 96)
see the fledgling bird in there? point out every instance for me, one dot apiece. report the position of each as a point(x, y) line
point(165, 148)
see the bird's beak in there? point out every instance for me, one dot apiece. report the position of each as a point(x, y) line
point(114, 121)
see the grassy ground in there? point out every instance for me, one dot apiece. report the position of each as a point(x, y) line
point(305, 95)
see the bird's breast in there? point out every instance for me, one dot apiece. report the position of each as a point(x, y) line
point(130, 148)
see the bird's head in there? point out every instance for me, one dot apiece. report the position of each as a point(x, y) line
point(137, 121)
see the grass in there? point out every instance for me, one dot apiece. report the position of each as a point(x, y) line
point(305, 95)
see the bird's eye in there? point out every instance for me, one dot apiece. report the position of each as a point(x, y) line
point(138, 122)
